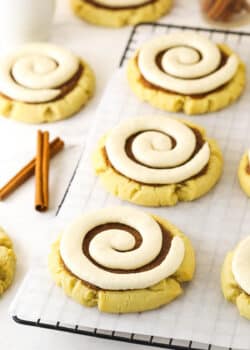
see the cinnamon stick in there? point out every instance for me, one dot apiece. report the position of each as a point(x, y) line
point(28, 170)
point(223, 10)
point(42, 171)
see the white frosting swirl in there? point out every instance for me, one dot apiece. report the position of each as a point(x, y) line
point(121, 3)
point(190, 63)
point(241, 264)
point(35, 72)
point(157, 162)
point(111, 248)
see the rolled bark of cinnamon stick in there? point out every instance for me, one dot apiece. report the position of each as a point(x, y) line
point(28, 170)
point(42, 172)
point(45, 170)
point(223, 10)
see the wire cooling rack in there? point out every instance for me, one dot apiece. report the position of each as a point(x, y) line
point(134, 41)
point(161, 28)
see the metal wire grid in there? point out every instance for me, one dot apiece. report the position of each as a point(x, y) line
point(167, 343)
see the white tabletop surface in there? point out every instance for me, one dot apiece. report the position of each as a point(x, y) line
point(102, 48)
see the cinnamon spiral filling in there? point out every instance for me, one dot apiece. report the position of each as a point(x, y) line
point(166, 243)
point(39, 73)
point(129, 144)
point(119, 5)
point(120, 249)
point(157, 150)
point(185, 63)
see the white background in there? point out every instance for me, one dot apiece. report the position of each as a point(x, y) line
point(102, 48)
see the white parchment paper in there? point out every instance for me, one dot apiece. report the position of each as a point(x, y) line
point(214, 223)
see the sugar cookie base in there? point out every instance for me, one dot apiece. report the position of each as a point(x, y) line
point(7, 262)
point(243, 176)
point(52, 111)
point(174, 102)
point(118, 18)
point(165, 195)
point(231, 290)
point(125, 301)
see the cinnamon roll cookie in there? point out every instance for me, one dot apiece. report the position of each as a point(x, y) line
point(187, 72)
point(43, 83)
point(122, 260)
point(244, 173)
point(157, 161)
point(7, 262)
point(118, 13)
point(235, 281)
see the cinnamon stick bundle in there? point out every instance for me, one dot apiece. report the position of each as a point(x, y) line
point(223, 10)
point(28, 170)
point(42, 171)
